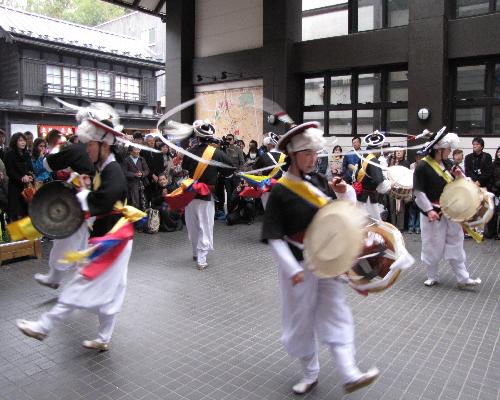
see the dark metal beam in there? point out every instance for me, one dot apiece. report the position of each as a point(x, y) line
point(159, 6)
point(137, 7)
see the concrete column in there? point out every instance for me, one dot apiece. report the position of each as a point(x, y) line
point(427, 64)
point(180, 39)
point(282, 22)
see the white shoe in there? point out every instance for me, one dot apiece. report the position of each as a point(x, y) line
point(27, 327)
point(43, 280)
point(303, 388)
point(430, 282)
point(469, 283)
point(95, 345)
point(365, 379)
point(202, 266)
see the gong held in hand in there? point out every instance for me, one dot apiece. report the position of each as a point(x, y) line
point(55, 210)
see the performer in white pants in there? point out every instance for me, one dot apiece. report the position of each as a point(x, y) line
point(102, 290)
point(75, 157)
point(441, 238)
point(77, 241)
point(199, 213)
point(312, 309)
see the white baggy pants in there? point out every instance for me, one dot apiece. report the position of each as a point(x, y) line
point(62, 311)
point(76, 242)
point(199, 215)
point(314, 310)
point(443, 239)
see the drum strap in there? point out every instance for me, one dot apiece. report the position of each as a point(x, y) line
point(447, 177)
point(305, 191)
point(364, 166)
point(208, 153)
point(276, 168)
point(437, 168)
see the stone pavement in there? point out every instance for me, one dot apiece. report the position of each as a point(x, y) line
point(214, 334)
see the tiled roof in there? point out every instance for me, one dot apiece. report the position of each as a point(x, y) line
point(23, 24)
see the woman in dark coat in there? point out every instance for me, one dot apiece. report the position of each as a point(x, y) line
point(20, 171)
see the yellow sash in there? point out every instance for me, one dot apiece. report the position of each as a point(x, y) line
point(201, 167)
point(364, 166)
point(448, 178)
point(304, 191)
point(276, 169)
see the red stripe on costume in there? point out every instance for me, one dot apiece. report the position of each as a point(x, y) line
point(101, 264)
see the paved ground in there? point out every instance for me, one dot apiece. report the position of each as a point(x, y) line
point(186, 334)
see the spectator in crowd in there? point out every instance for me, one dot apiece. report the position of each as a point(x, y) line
point(351, 161)
point(136, 171)
point(413, 210)
point(495, 189)
point(3, 147)
point(322, 161)
point(137, 137)
point(20, 172)
point(237, 158)
point(458, 158)
point(336, 161)
point(478, 164)
point(29, 141)
point(167, 163)
point(73, 139)
point(241, 145)
point(41, 174)
point(252, 155)
point(52, 139)
point(170, 221)
point(243, 210)
point(155, 161)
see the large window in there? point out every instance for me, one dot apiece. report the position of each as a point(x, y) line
point(127, 88)
point(323, 18)
point(358, 102)
point(469, 8)
point(476, 98)
point(89, 83)
point(92, 83)
point(327, 18)
point(369, 15)
point(70, 77)
point(103, 84)
point(53, 78)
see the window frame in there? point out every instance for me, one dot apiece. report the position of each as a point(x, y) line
point(488, 102)
point(352, 15)
point(78, 92)
point(383, 105)
point(491, 9)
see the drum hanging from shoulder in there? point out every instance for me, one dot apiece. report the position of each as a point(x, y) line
point(464, 202)
point(382, 259)
point(401, 179)
point(333, 239)
point(55, 210)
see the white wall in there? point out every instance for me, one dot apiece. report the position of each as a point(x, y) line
point(226, 26)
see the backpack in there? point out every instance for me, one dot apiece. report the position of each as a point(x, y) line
point(153, 224)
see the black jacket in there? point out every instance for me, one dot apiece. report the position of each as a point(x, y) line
point(479, 168)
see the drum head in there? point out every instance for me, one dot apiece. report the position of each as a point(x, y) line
point(376, 275)
point(401, 175)
point(55, 211)
point(460, 200)
point(334, 239)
